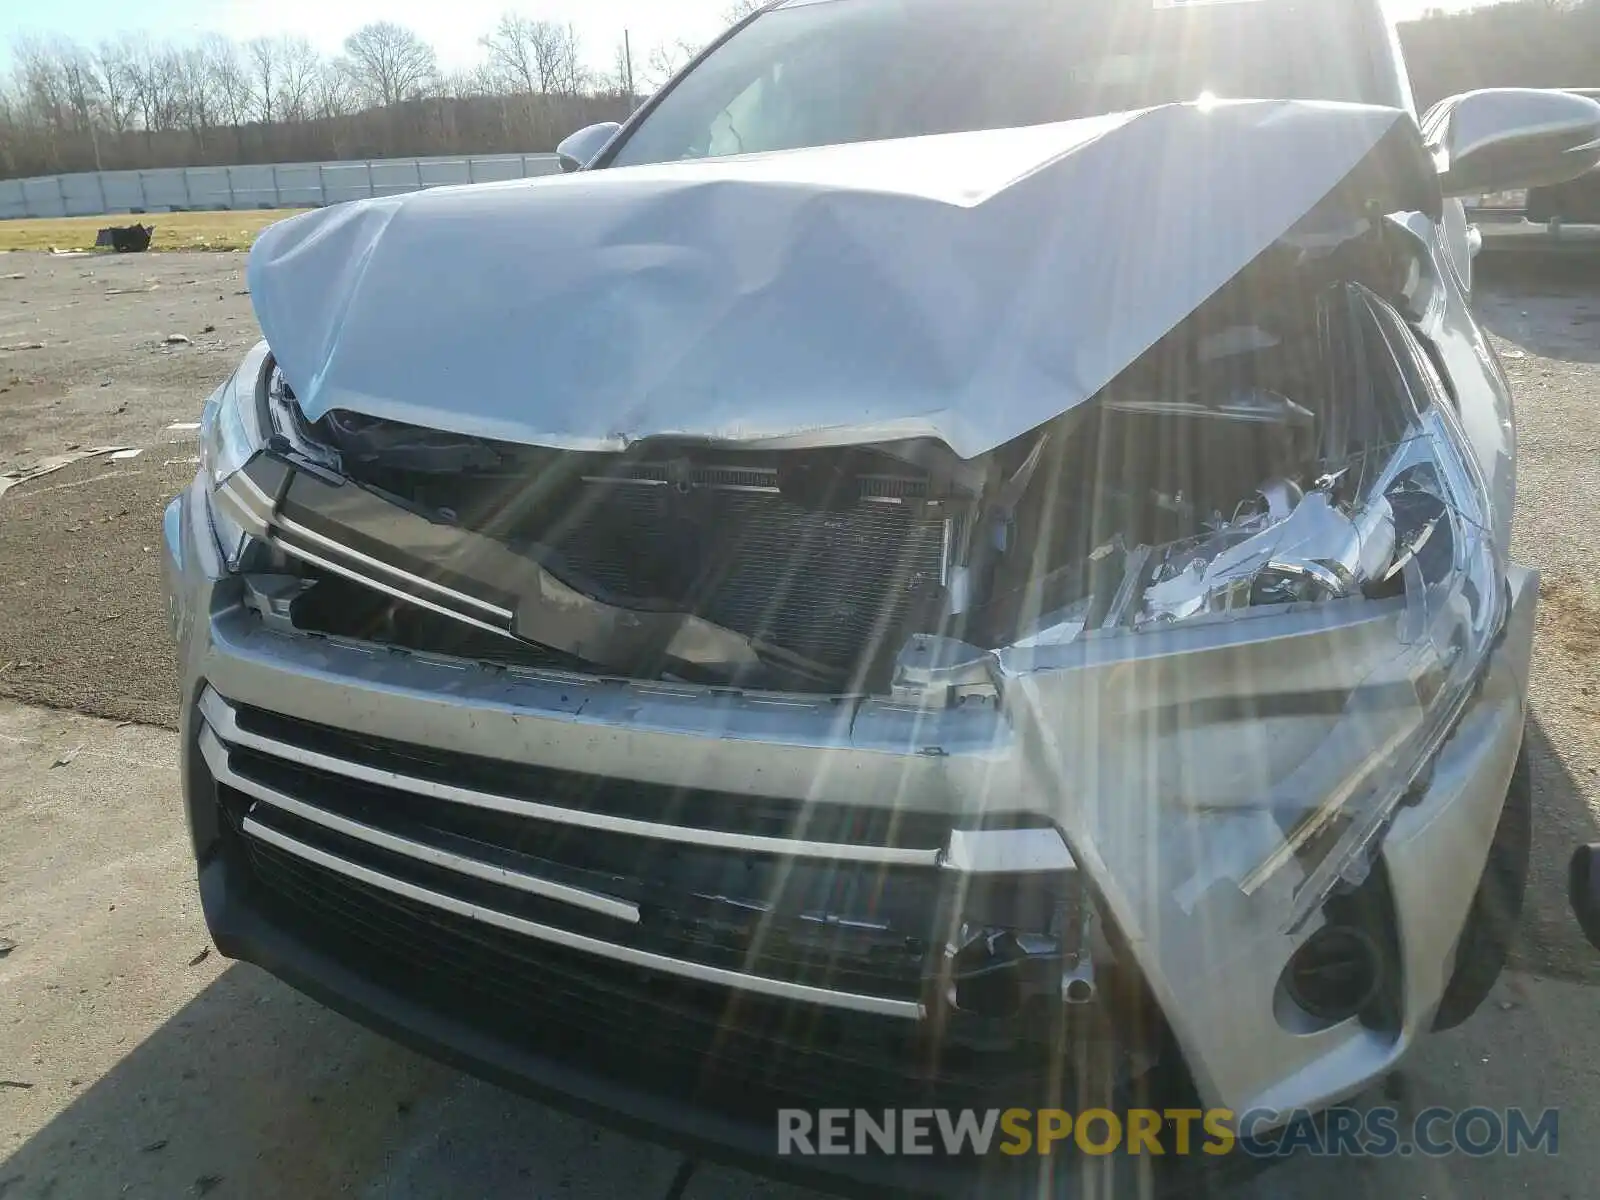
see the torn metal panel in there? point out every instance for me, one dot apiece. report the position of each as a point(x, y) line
point(964, 287)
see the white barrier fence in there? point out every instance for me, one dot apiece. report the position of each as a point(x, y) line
point(277, 185)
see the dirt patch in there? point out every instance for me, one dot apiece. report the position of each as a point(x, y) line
point(82, 591)
point(1569, 615)
point(28, 391)
point(82, 615)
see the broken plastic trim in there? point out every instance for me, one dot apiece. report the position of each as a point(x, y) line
point(348, 530)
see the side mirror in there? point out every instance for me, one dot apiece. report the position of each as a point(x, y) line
point(578, 149)
point(1498, 139)
point(1583, 890)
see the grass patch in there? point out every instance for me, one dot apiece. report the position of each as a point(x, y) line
point(174, 231)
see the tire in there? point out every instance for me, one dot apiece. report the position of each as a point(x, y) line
point(1496, 910)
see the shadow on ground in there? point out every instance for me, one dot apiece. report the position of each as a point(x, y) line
point(251, 1090)
point(1551, 943)
point(1545, 305)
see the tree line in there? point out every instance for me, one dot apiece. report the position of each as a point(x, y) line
point(136, 102)
point(1526, 43)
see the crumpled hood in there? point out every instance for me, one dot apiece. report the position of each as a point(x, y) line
point(966, 287)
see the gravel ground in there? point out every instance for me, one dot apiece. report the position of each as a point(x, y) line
point(200, 1055)
point(85, 362)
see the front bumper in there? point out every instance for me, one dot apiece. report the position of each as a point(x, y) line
point(1216, 992)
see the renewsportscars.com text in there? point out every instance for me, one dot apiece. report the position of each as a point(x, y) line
point(1261, 1133)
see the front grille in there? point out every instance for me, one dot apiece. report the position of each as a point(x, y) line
point(701, 809)
point(709, 1045)
point(828, 559)
point(740, 930)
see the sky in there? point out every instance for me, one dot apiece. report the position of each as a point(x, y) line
point(452, 26)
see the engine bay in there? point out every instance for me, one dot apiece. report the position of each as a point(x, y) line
point(1232, 466)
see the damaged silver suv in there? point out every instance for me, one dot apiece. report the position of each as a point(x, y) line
point(961, 561)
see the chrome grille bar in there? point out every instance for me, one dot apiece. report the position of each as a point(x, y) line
point(216, 757)
point(328, 564)
point(357, 559)
point(222, 719)
point(761, 985)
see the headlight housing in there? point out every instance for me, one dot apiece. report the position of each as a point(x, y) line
point(1446, 572)
point(1236, 745)
point(1447, 569)
point(239, 420)
point(1404, 525)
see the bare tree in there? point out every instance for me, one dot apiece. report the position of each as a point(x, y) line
point(114, 61)
point(561, 61)
point(481, 80)
point(512, 59)
point(80, 83)
point(666, 60)
point(198, 97)
point(84, 95)
point(41, 82)
point(264, 61)
point(155, 73)
point(231, 82)
point(535, 58)
point(298, 66)
point(389, 63)
point(620, 80)
point(740, 9)
point(332, 90)
point(282, 72)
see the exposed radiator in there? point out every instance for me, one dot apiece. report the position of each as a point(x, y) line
point(835, 586)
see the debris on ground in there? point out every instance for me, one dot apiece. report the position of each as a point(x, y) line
point(6, 946)
point(152, 1147)
point(54, 463)
point(125, 239)
point(66, 759)
point(177, 339)
point(24, 346)
point(209, 329)
point(205, 953)
point(20, 1084)
point(206, 1183)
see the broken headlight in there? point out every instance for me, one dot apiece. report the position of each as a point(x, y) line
point(1445, 581)
point(1401, 531)
point(234, 426)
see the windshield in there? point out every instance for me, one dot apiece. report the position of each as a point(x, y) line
point(818, 72)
